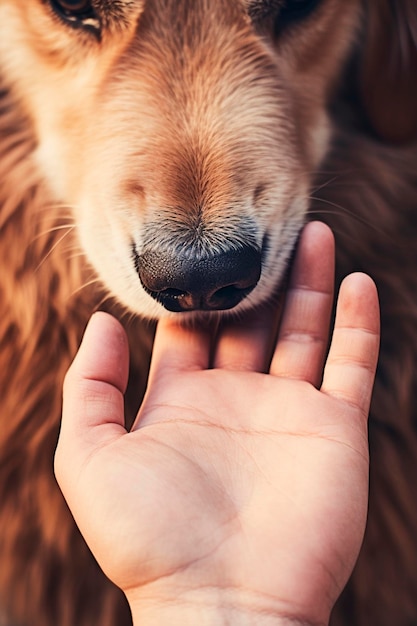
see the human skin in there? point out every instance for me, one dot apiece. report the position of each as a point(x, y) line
point(240, 494)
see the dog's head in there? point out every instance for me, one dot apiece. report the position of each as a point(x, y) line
point(184, 133)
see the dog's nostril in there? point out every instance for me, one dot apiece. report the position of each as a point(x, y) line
point(228, 297)
point(191, 281)
point(174, 293)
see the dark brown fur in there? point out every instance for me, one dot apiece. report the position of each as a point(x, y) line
point(367, 192)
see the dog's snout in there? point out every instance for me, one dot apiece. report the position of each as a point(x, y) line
point(191, 281)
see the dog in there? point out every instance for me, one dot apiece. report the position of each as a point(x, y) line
point(159, 157)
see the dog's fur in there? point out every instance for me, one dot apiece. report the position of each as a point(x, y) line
point(199, 123)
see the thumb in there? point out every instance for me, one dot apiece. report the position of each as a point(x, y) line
point(93, 405)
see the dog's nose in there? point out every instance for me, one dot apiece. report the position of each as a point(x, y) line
point(190, 281)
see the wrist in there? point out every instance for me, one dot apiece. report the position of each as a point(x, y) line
point(212, 608)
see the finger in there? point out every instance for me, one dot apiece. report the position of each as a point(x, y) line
point(93, 408)
point(245, 344)
point(303, 335)
point(180, 347)
point(350, 369)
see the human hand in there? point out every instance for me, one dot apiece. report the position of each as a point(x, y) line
point(238, 496)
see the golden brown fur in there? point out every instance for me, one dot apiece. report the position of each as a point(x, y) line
point(88, 137)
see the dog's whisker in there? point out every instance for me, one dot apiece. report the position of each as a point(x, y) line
point(86, 285)
point(53, 229)
point(76, 253)
point(341, 210)
point(51, 250)
point(324, 185)
point(106, 298)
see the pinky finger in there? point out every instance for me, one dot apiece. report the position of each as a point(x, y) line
point(350, 368)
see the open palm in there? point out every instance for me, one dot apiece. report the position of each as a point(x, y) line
point(244, 479)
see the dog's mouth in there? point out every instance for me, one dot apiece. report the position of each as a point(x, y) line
point(184, 279)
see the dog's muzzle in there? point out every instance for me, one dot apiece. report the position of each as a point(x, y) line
point(184, 279)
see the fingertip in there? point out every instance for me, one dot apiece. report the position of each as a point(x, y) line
point(102, 326)
point(361, 283)
point(318, 229)
point(317, 235)
point(315, 257)
point(104, 353)
point(358, 302)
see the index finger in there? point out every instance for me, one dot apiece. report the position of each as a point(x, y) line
point(180, 346)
